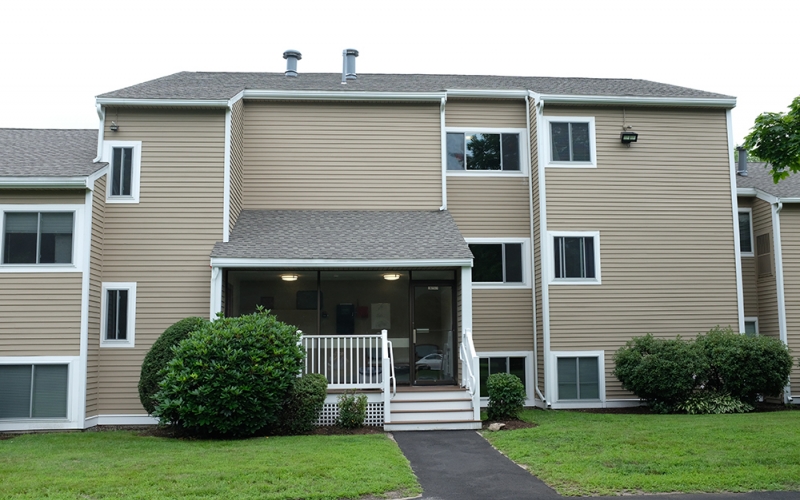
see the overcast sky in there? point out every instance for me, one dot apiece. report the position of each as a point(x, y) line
point(58, 55)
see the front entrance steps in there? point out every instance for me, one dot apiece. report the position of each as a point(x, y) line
point(431, 408)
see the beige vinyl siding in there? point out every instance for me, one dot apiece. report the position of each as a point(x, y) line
point(749, 284)
point(767, 287)
point(497, 113)
point(502, 320)
point(536, 245)
point(237, 153)
point(163, 242)
point(664, 211)
point(342, 156)
point(95, 284)
point(43, 196)
point(40, 314)
point(490, 206)
point(790, 247)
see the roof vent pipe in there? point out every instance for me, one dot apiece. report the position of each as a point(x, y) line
point(291, 56)
point(349, 56)
point(742, 170)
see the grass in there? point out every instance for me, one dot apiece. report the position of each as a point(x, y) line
point(605, 454)
point(123, 464)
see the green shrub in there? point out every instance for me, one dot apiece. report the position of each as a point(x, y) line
point(745, 366)
point(352, 410)
point(303, 404)
point(506, 396)
point(230, 378)
point(159, 355)
point(664, 372)
point(706, 402)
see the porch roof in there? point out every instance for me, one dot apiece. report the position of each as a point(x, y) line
point(357, 235)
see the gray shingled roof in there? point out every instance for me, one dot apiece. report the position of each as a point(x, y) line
point(759, 177)
point(352, 235)
point(212, 86)
point(48, 153)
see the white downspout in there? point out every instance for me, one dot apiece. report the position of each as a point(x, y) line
point(545, 257)
point(776, 243)
point(444, 152)
point(735, 206)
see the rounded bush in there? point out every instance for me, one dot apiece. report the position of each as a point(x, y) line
point(745, 366)
point(664, 372)
point(352, 410)
point(303, 404)
point(159, 355)
point(506, 396)
point(230, 378)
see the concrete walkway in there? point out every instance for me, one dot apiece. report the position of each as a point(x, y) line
point(461, 465)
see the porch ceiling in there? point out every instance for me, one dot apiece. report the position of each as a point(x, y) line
point(359, 235)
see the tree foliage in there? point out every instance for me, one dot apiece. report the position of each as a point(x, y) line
point(775, 138)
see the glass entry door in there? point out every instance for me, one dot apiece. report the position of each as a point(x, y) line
point(432, 334)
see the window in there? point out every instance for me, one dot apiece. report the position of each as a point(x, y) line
point(519, 363)
point(764, 252)
point(33, 391)
point(576, 257)
point(578, 378)
point(751, 326)
point(38, 237)
point(746, 232)
point(118, 314)
point(492, 150)
point(500, 262)
point(124, 159)
point(571, 142)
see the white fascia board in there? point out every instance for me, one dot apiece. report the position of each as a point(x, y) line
point(179, 103)
point(746, 192)
point(332, 95)
point(652, 101)
point(789, 200)
point(43, 182)
point(488, 94)
point(761, 195)
point(325, 263)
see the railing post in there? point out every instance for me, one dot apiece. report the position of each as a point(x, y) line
point(305, 351)
point(386, 374)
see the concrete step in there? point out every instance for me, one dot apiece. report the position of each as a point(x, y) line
point(433, 425)
point(431, 395)
point(444, 404)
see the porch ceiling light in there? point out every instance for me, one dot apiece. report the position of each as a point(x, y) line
point(391, 277)
point(628, 137)
point(289, 277)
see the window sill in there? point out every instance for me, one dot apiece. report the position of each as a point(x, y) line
point(574, 281)
point(747, 254)
point(571, 164)
point(127, 200)
point(499, 286)
point(39, 268)
point(118, 344)
point(486, 173)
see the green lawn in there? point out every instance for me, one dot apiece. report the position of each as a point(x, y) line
point(121, 464)
point(603, 454)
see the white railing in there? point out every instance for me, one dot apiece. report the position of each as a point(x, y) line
point(347, 361)
point(469, 371)
point(392, 378)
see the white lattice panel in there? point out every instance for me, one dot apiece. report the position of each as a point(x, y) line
point(330, 412)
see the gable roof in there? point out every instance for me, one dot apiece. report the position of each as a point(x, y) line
point(759, 177)
point(214, 86)
point(360, 235)
point(53, 153)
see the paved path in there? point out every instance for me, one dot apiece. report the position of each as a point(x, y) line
point(461, 465)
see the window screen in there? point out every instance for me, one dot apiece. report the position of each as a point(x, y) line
point(33, 391)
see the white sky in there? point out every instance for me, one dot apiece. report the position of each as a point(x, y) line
point(58, 55)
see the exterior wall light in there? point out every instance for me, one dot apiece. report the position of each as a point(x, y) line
point(628, 137)
point(114, 127)
point(289, 277)
point(391, 277)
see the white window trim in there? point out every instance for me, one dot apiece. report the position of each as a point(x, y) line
point(551, 274)
point(78, 258)
point(73, 392)
point(528, 355)
point(580, 403)
point(130, 341)
point(547, 149)
point(523, 148)
point(136, 166)
point(751, 253)
point(752, 319)
point(526, 263)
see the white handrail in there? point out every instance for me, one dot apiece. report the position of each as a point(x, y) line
point(386, 366)
point(392, 378)
point(469, 360)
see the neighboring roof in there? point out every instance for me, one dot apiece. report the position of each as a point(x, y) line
point(759, 177)
point(213, 86)
point(344, 235)
point(48, 153)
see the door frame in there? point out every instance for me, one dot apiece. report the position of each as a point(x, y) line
point(412, 374)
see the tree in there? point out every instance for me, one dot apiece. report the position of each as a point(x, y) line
point(775, 138)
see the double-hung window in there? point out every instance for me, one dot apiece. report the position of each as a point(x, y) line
point(576, 257)
point(124, 159)
point(499, 263)
point(38, 237)
point(571, 141)
point(485, 151)
point(118, 315)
